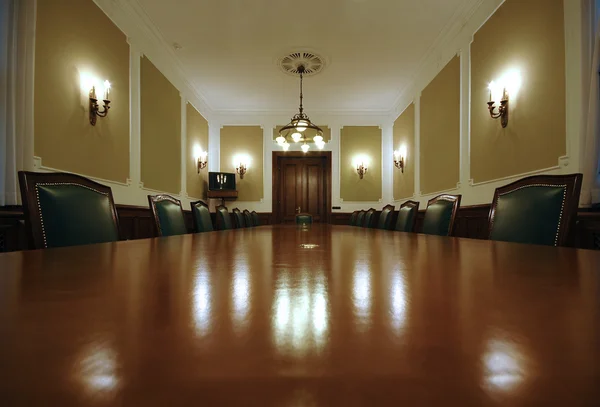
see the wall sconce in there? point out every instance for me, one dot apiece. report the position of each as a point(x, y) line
point(201, 158)
point(361, 169)
point(241, 163)
point(202, 161)
point(498, 112)
point(94, 108)
point(400, 158)
point(241, 169)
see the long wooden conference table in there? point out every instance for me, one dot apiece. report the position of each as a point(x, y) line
point(291, 316)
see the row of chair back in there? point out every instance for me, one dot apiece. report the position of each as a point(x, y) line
point(67, 209)
point(439, 216)
point(535, 210)
point(63, 209)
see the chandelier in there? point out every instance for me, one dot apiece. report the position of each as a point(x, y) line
point(300, 129)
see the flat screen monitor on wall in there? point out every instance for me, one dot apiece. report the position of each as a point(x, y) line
point(221, 181)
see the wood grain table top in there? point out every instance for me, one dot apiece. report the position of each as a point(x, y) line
point(291, 316)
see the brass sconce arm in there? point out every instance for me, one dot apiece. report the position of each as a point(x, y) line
point(361, 170)
point(499, 112)
point(202, 164)
point(399, 163)
point(241, 170)
point(95, 111)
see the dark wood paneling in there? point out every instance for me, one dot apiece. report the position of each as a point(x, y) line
point(136, 223)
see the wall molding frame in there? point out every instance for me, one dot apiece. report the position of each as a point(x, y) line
point(38, 166)
point(562, 163)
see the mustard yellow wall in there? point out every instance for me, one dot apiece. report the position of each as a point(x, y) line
point(357, 141)
point(75, 39)
point(244, 140)
point(326, 132)
point(197, 135)
point(440, 131)
point(527, 36)
point(161, 131)
point(404, 135)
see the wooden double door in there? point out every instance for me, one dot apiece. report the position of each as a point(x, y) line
point(303, 187)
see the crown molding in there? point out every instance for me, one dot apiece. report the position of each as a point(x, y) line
point(130, 17)
point(433, 55)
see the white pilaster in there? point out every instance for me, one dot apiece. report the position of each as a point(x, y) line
point(417, 154)
point(135, 123)
point(465, 115)
point(214, 145)
point(387, 163)
point(336, 131)
point(184, 153)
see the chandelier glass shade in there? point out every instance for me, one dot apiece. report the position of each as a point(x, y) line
point(300, 129)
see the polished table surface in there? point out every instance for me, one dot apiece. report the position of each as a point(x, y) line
point(291, 316)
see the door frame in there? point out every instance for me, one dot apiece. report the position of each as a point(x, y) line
point(277, 156)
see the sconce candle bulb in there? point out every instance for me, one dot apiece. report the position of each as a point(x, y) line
point(499, 112)
point(94, 109)
point(361, 169)
point(241, 170)
point(399, 158)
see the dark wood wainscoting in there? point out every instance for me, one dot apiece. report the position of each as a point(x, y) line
point(135, 222)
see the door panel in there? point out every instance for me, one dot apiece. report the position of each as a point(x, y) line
point(291, 191)
point(314, 193)
point(301, 188)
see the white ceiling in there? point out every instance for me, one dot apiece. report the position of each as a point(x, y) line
point(230, 48)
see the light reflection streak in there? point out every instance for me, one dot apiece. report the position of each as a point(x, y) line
point(502, 363)
point(241, 294)
point(362, 294)
point(97, 369)
point(398, 301)
point(300, 315)
point(202, 301)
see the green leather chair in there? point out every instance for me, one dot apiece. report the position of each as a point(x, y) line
point(255, 219)
point(385, 218)
point(64, 209)
point(369, 220)
point(304, 219)
point(407, 217)
point(440, 215)
point(360, 218)
point(248, 218)
point(223, 218)
point(201, 216)
point(353, 218)
point(240, 221)
point(168, 215)
point(536, 210)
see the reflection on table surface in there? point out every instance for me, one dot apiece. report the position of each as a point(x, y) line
point(289, 316)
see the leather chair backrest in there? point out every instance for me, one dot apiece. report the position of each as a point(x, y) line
point(223, 219)
point(248, 218)
point(201, 215)
point(535, 210)
point(353, 218)
point(255, 218)
point(385, 219)
point(407, 216)
point(240, 221)
point(360, 218)
point(304, 219)
point(440, 215)
point(369, 220)
point(66, 210)
point(168, 215)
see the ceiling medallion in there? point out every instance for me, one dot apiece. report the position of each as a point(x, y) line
point(300, 129)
